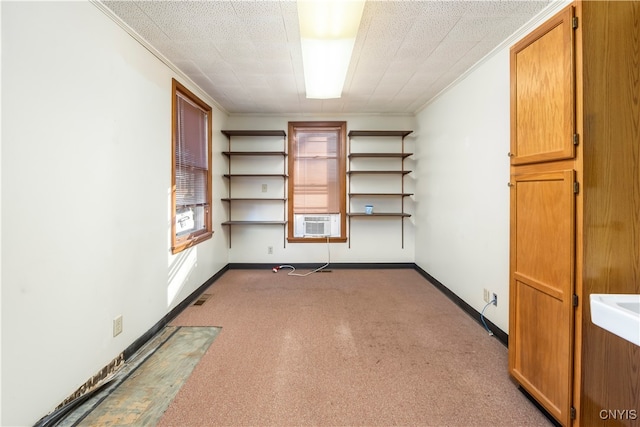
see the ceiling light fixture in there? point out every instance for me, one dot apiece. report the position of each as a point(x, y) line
point(328, 30)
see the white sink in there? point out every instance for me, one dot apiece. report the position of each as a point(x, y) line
point(618, 314)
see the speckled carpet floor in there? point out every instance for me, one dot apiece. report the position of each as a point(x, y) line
point(346, 348)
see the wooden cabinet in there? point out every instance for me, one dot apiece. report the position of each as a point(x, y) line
point(542, 286)
point(254, 173)
point(366, 166)
point(543, 93)
point(575, 223)
point(543, 198)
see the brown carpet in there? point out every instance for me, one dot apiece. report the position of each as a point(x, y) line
point(350, 347)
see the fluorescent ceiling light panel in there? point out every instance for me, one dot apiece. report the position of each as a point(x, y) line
point(328, 30)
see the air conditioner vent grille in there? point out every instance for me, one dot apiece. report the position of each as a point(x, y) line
point(317, 225)
point(314, 228)
point(316, 218)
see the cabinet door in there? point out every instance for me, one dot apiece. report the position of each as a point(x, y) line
point(542, 287)
point(543, 93)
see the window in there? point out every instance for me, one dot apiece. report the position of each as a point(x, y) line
point(317, 181)
point(191, 169)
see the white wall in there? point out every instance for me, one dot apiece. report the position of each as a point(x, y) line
point(462, 232)
point(462, 236)
point(86, 170)
point(372, 239)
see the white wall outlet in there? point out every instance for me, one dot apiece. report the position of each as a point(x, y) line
point(117, 326)
point(487, 295)
point(494, 299)
point(270, 250)
point(264, 188)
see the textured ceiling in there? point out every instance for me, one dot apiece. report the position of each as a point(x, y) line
point(246, 54)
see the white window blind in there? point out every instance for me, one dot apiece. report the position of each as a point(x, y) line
point(192, 195)
point(316, 175)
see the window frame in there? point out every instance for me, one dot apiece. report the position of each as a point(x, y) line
point(342, 179)
point(178, 244)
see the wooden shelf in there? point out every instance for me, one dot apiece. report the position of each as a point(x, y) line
point(259, 222)
point(230, 133)
point(256, 175)
point(379, 214)
point(252, 199)
point(399, 133)
point(231, 152)
point(254, 153)
point(379, 194)
point(369, 172)
point(391, 160)
point(381, 155)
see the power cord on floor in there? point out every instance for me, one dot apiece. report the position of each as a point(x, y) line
point(494, 301)
point(293, 269)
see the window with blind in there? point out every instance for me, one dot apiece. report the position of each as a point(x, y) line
point(191, 171)
point(317, 181)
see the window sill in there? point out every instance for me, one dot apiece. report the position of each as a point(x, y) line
point(191, 242)
point(316, 240)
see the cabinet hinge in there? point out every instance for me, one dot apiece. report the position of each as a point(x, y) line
point(576, 187)
point(576, 139)
point(574, 300)
point(572, 413)
point(574, 22)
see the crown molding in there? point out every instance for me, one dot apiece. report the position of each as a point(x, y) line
point(144, 43)
point(554, 7)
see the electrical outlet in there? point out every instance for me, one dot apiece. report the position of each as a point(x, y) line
point(270, 250)
point(117, 326)
point(495, 299)
point(264, 188)
point(486, 295)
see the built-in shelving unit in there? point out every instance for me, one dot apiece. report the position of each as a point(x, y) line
point(232, 152)
point(389, 163)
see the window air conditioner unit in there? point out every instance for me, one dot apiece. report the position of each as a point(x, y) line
point(317, 225)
